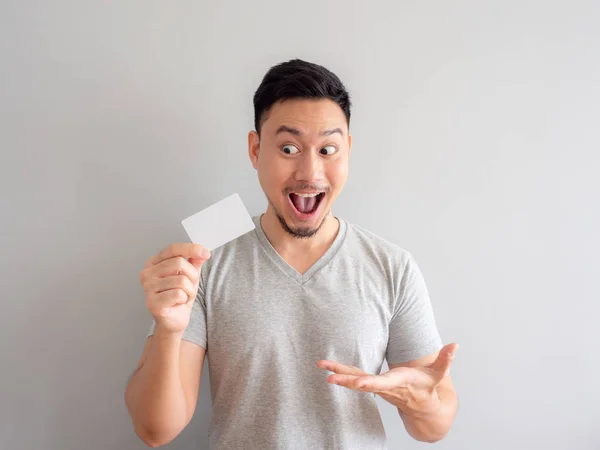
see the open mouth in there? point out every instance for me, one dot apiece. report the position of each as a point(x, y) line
point(306, 203)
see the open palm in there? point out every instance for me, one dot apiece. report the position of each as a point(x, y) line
point(399, 385)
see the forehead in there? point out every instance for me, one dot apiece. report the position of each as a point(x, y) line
point(308, 115)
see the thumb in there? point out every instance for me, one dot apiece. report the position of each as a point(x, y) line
point(198, 262)
point(441, 366)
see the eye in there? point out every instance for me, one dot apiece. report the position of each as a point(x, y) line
point(329, 150)
point(289, 149)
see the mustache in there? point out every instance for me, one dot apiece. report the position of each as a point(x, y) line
point(306, 187)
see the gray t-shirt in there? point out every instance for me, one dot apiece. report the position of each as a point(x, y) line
point(265, 326)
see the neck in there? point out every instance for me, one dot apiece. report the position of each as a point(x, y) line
point(284, 243)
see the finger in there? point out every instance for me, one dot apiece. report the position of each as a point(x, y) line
point(169, 267)
point(176, 282)
point(165, 301)
point(367, 383)
point(334, 366)
point(186, 250)
point(441, 366)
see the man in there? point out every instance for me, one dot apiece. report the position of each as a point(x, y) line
point(298, 315)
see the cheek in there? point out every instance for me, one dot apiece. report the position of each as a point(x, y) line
point(337, 172)
point(273, 173)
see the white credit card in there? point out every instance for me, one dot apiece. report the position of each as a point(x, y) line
point(219, 224)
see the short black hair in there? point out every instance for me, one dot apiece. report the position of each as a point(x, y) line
point(298, 79)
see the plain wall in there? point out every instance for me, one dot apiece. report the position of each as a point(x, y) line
point(476, 147)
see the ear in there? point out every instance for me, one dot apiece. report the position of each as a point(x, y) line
point(349, 143)
point(253, 147)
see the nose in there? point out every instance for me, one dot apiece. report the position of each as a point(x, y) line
point(309, 168)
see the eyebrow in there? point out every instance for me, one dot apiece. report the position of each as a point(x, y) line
point(296, 132)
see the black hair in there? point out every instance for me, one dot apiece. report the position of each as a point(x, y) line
point(298, 79)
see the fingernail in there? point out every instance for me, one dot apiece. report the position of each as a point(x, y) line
point(205, 253)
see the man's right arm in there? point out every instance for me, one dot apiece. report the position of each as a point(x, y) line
point(161, 395)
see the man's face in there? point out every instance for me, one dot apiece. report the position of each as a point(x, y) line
point(302, 161)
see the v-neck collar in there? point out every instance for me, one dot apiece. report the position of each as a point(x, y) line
point(289, 270)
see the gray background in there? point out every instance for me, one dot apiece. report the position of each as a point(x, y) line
point(475, 147)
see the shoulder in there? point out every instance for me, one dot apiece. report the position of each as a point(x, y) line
point(377, 248)
point(380, 258)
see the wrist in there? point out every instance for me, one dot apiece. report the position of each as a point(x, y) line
point(160, 332)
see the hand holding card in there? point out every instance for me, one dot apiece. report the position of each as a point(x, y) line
point(171, 278)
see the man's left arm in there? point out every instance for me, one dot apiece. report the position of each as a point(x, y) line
point(421, 389)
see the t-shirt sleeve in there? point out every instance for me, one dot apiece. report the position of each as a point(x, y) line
point(195, 332)
point(412, 330)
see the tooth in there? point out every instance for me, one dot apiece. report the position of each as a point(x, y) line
point(306, 195)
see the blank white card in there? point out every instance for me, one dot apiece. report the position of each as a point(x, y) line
point(220, 223)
